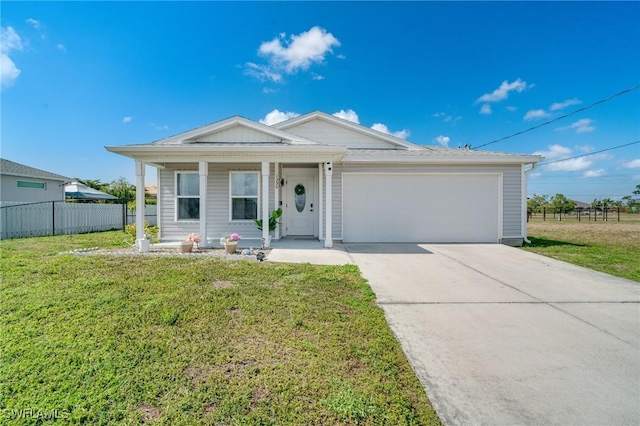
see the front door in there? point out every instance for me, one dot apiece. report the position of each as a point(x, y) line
point(300, 205)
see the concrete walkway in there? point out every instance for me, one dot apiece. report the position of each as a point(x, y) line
point(501, 336)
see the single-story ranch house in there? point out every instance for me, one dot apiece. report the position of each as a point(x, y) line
point(23, 184)
point(335, 180)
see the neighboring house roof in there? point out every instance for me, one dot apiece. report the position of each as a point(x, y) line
point(80, 191)
point(12, 168)
point(238, 135)
point(582, 205)
point(151, 190)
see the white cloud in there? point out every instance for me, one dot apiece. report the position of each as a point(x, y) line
point(275, 117)
point(633, 164)
point(349, 114)
point(262, 72)
point(445, 117)
point(317, 77)
point(593, 173)
point(554, 152)
point(268, 90)
point(402, 134)
point(33, 22)
point(127, 119)
point(159, 127)
point(301, 51)
point(61, 47)
point(536, 114)
point(583, 125)
point(486, 109)
point(443, 140)
point(9, 41)
point(573, 165)
point(561, 105)
point(502, 92)
point(511, 108)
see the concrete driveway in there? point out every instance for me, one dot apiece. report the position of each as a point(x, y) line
point(504, 337)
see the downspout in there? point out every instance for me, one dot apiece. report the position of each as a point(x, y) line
point(524, 199)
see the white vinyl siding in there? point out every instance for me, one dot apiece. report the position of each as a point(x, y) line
point(333, 134)
point(218, 205)
point(238, 134)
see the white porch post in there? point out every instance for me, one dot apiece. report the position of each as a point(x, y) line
point(140, 206)
point(320, 202)
point(276, 194)
point(265, 202)
point(203, 170)
point(328, 173)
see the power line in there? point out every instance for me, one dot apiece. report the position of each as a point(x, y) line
point(601, 101)
point(591, 153)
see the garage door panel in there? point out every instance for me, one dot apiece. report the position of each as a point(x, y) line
point(420, 208)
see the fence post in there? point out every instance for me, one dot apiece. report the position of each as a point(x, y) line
point(53, 218)
point(124, 215)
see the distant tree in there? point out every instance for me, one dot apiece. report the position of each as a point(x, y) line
point(121, 188)
point(560, 202)
point(537, 202)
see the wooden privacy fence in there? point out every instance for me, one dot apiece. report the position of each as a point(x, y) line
point(60, 218)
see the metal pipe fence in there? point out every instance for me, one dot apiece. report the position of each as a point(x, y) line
point(602, 214)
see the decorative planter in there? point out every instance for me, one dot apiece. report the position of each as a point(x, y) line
point(186, 247)
point(231, 247)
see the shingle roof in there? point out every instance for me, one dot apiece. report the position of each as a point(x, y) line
point(16, 169)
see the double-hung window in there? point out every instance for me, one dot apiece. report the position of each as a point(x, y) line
point(188, 196)
point(243, 194)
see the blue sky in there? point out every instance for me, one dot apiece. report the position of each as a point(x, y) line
point(79, 76)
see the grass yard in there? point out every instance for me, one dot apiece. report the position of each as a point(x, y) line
point(191, 340)
point(611, 247)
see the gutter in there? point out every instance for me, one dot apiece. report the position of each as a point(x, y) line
point(533, 167)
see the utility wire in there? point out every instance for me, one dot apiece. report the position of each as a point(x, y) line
point(591, 153)
point(601, 101)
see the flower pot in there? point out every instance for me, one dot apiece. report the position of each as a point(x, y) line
point(231, 246)
point(186, 247)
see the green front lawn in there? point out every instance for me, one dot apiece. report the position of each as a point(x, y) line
point(194, 340)
point(611, 247)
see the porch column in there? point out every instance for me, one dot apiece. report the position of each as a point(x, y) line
point(276, 194)
point(140, 205)
point(320, 202)
point(328, 174)
point(203, 170)
point(265, 202)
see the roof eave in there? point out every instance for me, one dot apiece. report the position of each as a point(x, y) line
point(527, 159)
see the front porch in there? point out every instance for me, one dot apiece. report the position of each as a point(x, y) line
point(215, 197)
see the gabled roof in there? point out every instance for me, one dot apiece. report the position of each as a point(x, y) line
point(319, 115)
point(195, 136)
point(16, 169)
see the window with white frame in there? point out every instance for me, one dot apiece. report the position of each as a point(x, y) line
point(187, 196)
point(243, 194)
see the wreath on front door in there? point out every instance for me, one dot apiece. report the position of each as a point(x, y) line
point(299, 189)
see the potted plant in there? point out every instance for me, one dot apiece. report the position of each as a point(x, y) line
point(230, 242)
point(187, 244)
point(273, 223)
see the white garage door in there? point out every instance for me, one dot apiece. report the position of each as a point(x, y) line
point(391, 207)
